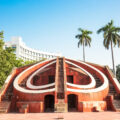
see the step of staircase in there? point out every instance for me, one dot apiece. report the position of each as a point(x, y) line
point(4, 106)
point(61, 106)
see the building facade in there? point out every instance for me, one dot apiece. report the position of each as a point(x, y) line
point(27, 53)
point(60, 85)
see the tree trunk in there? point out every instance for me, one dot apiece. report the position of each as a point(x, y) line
point(83, 52)
point(112, 58)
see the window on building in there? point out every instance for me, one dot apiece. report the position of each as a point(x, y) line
point(51, 79)
point(70, 78)
point(14, 46)
point(35, 79)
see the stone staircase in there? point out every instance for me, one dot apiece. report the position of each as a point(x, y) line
point(6, 100)
point(60, 106)
point(116, 96)
point(60, 85)
point(9, 93)
point(4, 106)
point(98, 81)
point(116, 104)
point(112, 90)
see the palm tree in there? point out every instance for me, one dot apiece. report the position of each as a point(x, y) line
point(111, 37)
point(84, 39)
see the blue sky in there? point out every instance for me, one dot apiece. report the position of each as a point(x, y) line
point(51, 25)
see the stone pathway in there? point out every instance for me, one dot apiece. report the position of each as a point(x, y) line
point(62, 116)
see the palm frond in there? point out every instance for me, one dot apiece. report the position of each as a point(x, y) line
point(110, 24)
point(117, 29)
point(80, 29)
point(100, 30)
point(84, 38)
point(88, 42)
point(77, 36)
point(106, 41)
point(119, 43)
point(114, 39)
point(110, 34)
point(88, 32)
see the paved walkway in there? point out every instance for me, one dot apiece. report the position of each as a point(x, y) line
point(63, 116)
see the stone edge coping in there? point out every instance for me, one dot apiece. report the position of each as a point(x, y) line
point(92, 83)
point(31, 86)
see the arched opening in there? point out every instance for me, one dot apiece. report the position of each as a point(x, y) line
point(49, 103)
point(72, 102)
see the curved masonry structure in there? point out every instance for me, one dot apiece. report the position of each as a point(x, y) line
point(101, 88)
point(18, 88)
point(29, 85)
point(92, 83)
point(61, 85)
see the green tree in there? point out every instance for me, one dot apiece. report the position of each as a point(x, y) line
point(118, 72)
point(8, 60)
point(32, 61)
point(1, 40)
point(84, 39)
point(111, 37)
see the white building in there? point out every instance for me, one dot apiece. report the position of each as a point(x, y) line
point(27, 53)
